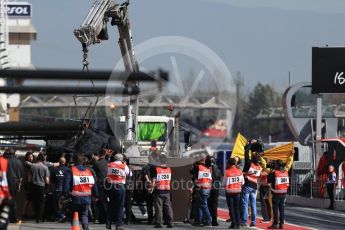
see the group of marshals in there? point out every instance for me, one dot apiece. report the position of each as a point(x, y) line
point(118, 171)
point(240, 185)
point(81, 185)
point(241, 188)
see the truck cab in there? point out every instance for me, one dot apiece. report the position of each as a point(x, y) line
point(158, 129)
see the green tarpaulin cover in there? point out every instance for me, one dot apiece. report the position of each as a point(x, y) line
point(151, 131)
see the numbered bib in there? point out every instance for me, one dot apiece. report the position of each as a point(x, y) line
point(203, 174)
point(4, 182)
point(81, 180)
point(234, 180)
point(282, 180)
point(254, 172)
point(164, 177)
point(116, 172)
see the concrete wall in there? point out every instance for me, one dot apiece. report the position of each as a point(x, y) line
point(20, 56)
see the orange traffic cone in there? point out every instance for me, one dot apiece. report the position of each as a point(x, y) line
point(75, 222)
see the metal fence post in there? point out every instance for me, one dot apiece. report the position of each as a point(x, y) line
point(311, 187)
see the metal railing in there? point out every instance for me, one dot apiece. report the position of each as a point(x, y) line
point(315, 188)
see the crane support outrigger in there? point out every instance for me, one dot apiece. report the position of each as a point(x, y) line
point(94, 30)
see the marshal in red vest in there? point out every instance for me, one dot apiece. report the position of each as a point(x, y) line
point(83, 181)
point(234, 180)
point(4, 191)
point(204, 180)
point(116, 173)
point(253, 173)
point(163, 178)
point(281, 182)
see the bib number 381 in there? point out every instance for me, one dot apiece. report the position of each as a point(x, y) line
point(84, 180)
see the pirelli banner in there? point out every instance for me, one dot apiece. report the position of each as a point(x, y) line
point(328, 70)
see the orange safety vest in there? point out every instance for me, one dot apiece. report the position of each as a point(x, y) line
point(4, 191)
point(234, 180)
point(253, 173)
point(83, 181)
point(204, 177)
point(281, 182)
point(116, 173)
point(163, 178)
point(263, 178)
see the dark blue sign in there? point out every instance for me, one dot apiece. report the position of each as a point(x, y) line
point(19, 10)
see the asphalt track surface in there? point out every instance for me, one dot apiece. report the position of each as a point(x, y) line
point(297, 218)
point(310, 218)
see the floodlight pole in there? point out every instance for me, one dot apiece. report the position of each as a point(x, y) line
point(318, 152)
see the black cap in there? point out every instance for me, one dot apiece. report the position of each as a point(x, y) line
point(232, 161)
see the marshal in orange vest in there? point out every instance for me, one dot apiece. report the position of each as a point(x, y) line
point(204, 177)
point(253, 173)
point(234, 180)
point(116, 173)
point(281, 182)
point(83, 181)
point(4, 191)
point(163, 178)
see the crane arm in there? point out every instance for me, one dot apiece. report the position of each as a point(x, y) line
point(119, 16)
point(93, 29)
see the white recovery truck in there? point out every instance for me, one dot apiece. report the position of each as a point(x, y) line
point(161, 132)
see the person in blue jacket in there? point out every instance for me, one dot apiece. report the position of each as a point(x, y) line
point(330, 184)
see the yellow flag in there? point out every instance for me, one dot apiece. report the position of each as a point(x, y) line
point(238, 150)
point(283, 152)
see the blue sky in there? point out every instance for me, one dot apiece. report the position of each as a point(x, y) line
point(264, 39)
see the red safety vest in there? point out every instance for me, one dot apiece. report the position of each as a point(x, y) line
point(234, 180)
point(204, 177)
point(83, 181)
point(4, 191)
point(263, 178)
point(163, 178)
point(281, 182)
point(116, 173)
point(253, 173)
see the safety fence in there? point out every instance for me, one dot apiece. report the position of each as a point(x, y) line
point(315, 188)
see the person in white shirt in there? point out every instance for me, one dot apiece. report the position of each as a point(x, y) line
point(115, 186)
